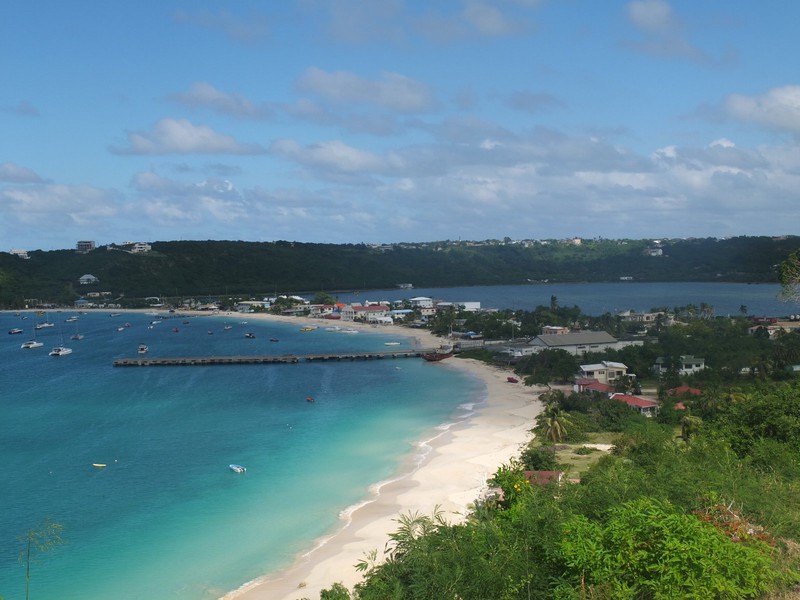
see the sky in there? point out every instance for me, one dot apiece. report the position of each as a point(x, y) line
point(381, 121)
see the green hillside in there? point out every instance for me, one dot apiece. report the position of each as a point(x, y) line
point(212, 268)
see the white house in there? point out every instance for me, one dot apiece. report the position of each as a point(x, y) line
point(88, 279)
point(421, 302)
point(686, 365)
point(604, 372)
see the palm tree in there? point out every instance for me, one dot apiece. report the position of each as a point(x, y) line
point(41, 538)
point(689, 426)
point(555, 422)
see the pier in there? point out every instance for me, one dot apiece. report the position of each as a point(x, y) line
point(285, 359)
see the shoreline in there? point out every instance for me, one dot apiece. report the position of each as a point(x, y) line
point(448, 469)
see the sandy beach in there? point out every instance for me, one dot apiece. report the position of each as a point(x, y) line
point(457, 461)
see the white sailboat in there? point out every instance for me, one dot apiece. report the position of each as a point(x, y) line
point(77, 335)
point(34, 343)
point(61, 350)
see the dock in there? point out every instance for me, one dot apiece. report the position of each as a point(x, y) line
point(268, 359)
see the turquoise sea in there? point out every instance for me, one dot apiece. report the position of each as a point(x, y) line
point(166, 518)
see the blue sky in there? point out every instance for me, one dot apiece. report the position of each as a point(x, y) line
point(377, 121)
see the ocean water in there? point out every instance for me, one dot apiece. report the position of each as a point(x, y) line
point(166, 518)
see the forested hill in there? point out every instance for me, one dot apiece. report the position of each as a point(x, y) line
point(244, 268)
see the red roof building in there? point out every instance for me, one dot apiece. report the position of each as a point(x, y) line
point(648, 408)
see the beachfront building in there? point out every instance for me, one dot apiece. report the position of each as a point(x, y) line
point(376, 313)
point(251, 306)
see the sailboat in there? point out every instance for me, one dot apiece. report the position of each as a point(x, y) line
point(61, 350)
point(77, 335)
point(34, 343)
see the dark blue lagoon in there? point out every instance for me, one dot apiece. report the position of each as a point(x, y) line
point(599, 298)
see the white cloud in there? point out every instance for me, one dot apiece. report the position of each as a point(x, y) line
point(489, 20)
point(67, 204)
point(179, 136)
point(12, 173)
point(246, 29)
point(204, 95)
point(661, 30)
point(778, 108)
point(391, 92)
point(334, 155)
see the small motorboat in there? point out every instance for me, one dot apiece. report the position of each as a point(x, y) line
point(143, 349)
point(237, 468)
point(99, 465)
point(14, 331)
point(309, 398)
point(175, 330)
point(274, 340)
point(391, 343)
point(307, 328)
point(250, 336)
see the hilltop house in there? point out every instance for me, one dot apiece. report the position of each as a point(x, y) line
point(88, 279)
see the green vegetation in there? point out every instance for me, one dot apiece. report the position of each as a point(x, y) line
point(714, 515)
point(223, 269)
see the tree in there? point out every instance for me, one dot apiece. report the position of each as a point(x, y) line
point(789, 276)
point(554, 421)
point(42, 538)
point(689, 426)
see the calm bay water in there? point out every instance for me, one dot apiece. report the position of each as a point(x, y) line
point(167, 518)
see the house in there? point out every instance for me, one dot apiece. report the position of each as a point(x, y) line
point(372, 314)
point(554, 330)
point(20, 253)
point(88, 279)
point(421, 302)
point(250, 306)
point(140, 247)
point(589, 384)
point(686, 365)
point(606, 372)
point(647, 408)
point(85, 246)
point(684, 389)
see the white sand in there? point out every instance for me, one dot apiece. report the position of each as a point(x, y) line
point(451, 476)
